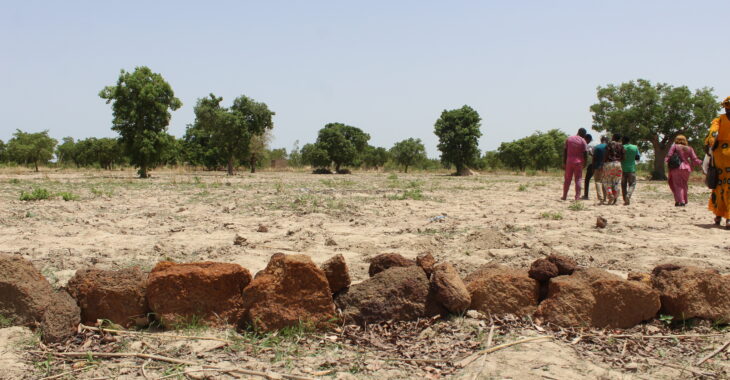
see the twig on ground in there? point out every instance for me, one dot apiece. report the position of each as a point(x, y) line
point(152, 335)
point(67, 372)
point(652, 336)
point(144, 373)
point(687, 368)
point(469, 359)
point(483, 363)
point(266, 375)
point(714, 353)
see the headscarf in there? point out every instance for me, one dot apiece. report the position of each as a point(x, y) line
point(726, 103)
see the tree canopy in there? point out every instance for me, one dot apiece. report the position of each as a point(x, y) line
point(408, 152)
point(141, 105)
point(336, 143)
point(539, 151)
point(222, 134)
point(31, 148)
point(458, 132)
point(654, 114)
point(375, 157)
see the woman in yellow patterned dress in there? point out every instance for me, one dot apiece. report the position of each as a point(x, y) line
point(718, 140)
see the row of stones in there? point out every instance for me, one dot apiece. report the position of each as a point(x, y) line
point(292, 290)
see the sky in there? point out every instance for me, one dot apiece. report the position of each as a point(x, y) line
point(387, 67)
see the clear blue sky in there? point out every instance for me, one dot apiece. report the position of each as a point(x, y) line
point(387, 67)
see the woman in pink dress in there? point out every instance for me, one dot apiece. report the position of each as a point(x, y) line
point(678, 177)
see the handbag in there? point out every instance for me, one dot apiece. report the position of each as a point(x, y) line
point(712, 176)
point(674, 161)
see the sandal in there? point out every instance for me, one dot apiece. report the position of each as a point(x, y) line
point(718, 219)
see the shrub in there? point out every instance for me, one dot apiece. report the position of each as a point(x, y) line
point(37, 194)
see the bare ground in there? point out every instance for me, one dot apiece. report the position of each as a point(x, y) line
point(120, 221)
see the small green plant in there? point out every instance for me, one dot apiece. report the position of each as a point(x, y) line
point(414, 194)
point(666, 319)
point(100, 192)
point(522, 188)
point(392, 176)
point(551, 215)
point(14, 181)
point(279, 187)
point(37, 194)
point(5, 321)
point(577, 206)
point(68, 196)
point(531, 172)
point(193, 323)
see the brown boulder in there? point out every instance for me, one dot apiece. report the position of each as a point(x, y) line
point(337, 273)
point(543, 270)
point(449, 290)
point(118, 296)
point(384, 261)
point(496, 289)
point(24, 292)
point(399, 294)
point(182, 293)
point(644, 278)
point(565, 265)
point(426, 262)
point(291, 290)
point(596, 298)
point(601, 222)
point(61, 319)
point(27, 298)
point(692, 292)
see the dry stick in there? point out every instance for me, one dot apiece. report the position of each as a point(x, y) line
point(171, 360)
point(688, 369)
point(67, 372)
point(484, 357)
point(712, 355)
point(466, 361)
point(155, 335)
point(144, 373)
point(652, 336)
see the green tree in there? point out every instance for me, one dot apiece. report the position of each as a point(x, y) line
point(109, 152)
point(31, 148)
point(458, 133)
point(257, 149)
point(654, 114)
point(141, 105)
point(66, 151)
point(229, 131)
point(408, 152)
point(375, 157)
point(315, 156)
point(295, 157)
point(199, 150)
point(513, 154)
point(343, 143)
point(3, 152)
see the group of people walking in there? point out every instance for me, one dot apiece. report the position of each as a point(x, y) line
point(612, 165)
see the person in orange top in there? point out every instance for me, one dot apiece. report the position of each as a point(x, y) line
point(718, 143)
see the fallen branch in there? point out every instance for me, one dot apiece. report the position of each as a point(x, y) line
point(152, 335)
point(714, 353)
point(469, 359)
point(652, 336)
point(266, 375)
point(484, 357)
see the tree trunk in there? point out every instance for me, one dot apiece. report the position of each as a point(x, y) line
point(337, 168)
point(230, 166)
point(36, 166)
point(253, 164)
point(143, 171)
point(406, 169)
point(660, 152)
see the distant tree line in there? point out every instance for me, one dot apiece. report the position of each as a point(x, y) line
point(227, 137)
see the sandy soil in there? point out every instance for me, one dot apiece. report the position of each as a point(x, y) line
point(120, 221)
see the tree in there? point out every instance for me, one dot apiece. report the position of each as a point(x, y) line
point(109, 152)
point(198, 149)
point(3, 152)
point(654, 114)
point(141, 105)
point(295, 157)
point(458, 133)
point(31, 148)
point(343, 143)
point(375, 157)
point(408, 152)
point(257, 149)
point(229, 131)
point(315, 156)
point(66, 151)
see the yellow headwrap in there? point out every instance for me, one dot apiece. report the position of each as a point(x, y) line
point(726, 103)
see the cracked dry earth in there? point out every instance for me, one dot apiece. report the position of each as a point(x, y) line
point(120, 221)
